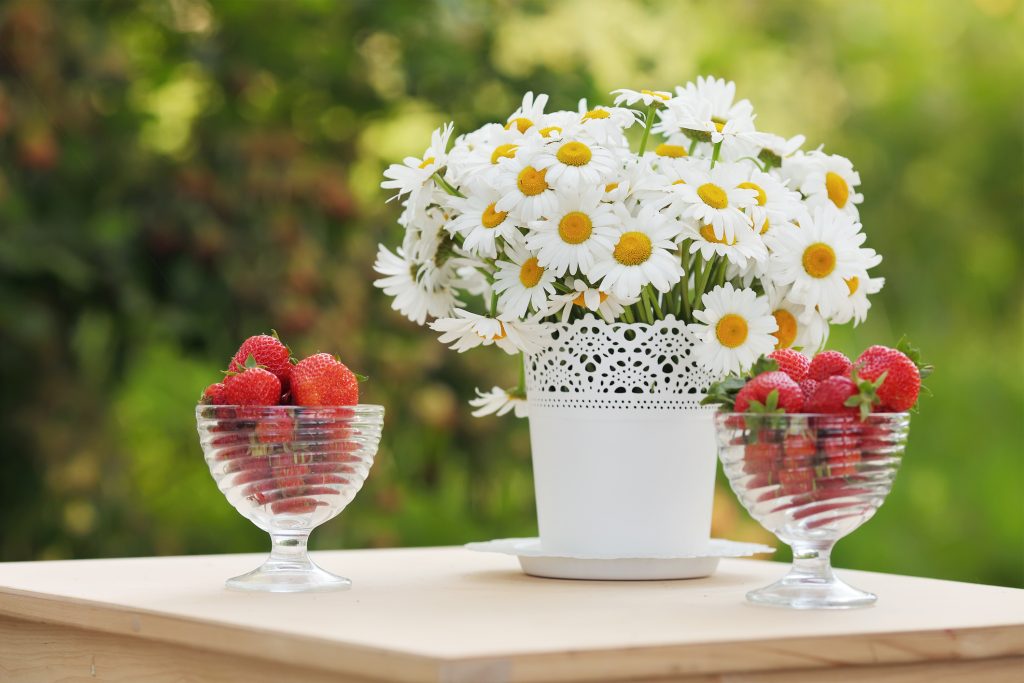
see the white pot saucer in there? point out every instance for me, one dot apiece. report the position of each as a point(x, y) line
point(536, 562)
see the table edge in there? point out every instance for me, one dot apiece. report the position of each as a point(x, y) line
point(969, 643)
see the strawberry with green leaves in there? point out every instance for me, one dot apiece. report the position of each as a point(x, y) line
point(770, 392)
point(898, 375)
point(270, 354)
point(253, 386)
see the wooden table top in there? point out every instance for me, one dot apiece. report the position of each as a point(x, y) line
point(448, 614)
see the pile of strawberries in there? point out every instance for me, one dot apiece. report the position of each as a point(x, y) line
point(882, 379)
point(263, 373)
point(288, 460)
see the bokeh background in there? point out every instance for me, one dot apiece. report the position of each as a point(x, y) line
point(176, 175)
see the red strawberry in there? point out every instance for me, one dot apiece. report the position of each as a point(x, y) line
point(797, 480)
point(831, 395)
point(791, 362)
point(271, 429)
point(761, 456)
point(807, 388)
point(254, 387)
point(770, 392)
point(800, 449)
point(902, 384)
point(827, 364)
point(268, 352)
point(871, 354)
point(321, 380)
point(295, 506)
point(214, 395)
point(843, 454)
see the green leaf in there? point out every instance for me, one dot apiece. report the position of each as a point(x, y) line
point(360, 378)
point(913, 353)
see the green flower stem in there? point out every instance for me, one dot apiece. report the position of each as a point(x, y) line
point(446, 187)
point(714, 153)
point(627, 314)
point(702, 283)
point(521, 387)
point(647, 129)
point(686, 312)
point(653, 299)
point(693, 148)
point(494, 304)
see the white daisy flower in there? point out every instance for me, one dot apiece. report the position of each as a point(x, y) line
point(528, 113)
point(855, 306)
point(522, 283)
point(831, 179)
point(799, 327)
point(499, 402)
point(481, 223)
point(412, 175)
point(474, 158)
point(569, 238)
point(576, 162)
point(818, 257)
point(419, 289)
point(713, 197)
point(468, 330)
point(775, 148)
point(583, 296)
point(647, 97)
point(525, 192)
point(775, 203)
point(735, 327)
point(719, 94)
point(643, 253)
point(745, 244)
point(606, 125)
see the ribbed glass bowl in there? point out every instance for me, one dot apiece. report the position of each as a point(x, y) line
point(289, 469)
point(810, 480)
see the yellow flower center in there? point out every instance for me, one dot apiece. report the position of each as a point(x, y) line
point(766, 226)
point(838, 190)
point(490, 218)
point(520, 123)
point(531, 181)
point(427, 162)
point(786, 334)
point(731, 330)
point(761, 196)
point(654, 93)
point(713, 196)
point(679, 182)
point(506, 151)
point(708, 233)
point(582, 302)
point(819, 260)
point(530, 272)
point(852, 284)
point(575, 227)
point(546, 132)
point(610, 187)
point(634, 248)
point(671, 151)
point(719, 123)
point(574, 154)
point(596, 114)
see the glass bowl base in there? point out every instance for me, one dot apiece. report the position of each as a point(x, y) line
point(802, 592)
point(296, 579)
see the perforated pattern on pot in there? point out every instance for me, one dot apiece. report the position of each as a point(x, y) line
point(591, 364)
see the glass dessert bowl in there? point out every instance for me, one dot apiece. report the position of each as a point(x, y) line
point(811, 480)
point(289, 469)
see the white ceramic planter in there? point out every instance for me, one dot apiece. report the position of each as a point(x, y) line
point(623, 453)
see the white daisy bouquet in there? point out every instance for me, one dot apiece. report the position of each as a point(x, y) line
point(552, 216)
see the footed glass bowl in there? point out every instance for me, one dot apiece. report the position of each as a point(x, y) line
point(289, 469)
point(810, 480)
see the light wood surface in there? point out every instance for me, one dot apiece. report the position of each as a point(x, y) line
point(447, 614)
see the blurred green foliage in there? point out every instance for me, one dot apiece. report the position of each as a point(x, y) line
point(176, 175)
